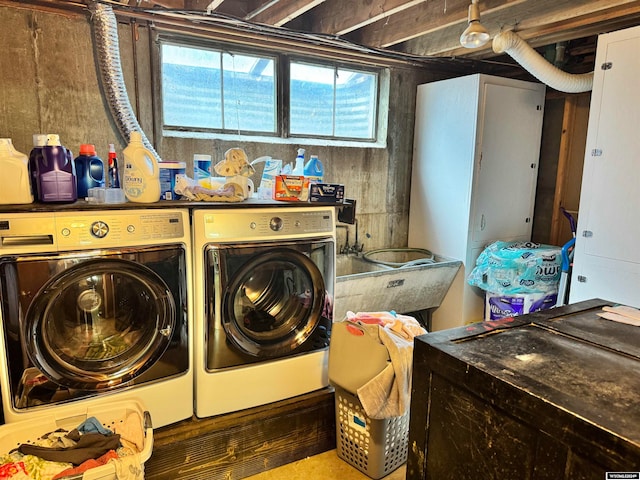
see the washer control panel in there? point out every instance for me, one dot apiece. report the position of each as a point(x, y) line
point(256, 224)
point(119, 229)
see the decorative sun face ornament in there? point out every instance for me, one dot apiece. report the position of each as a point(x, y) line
point(235, 163)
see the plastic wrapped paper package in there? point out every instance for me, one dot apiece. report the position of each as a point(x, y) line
point(517, 268)
point(500, 306)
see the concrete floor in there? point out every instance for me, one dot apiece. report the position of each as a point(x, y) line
point(325, 466)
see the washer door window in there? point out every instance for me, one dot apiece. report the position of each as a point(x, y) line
point(99, 324)
point(272, 303)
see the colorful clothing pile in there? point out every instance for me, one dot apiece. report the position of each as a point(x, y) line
point(61, 453)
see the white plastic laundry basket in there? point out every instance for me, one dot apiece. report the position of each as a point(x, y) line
point(27, 431)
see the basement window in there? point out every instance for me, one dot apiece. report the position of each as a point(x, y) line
point(330, 101)
point(218, 91)
point(214, 92)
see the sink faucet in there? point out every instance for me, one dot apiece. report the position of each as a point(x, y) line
point(356, 247)
point(346, 247)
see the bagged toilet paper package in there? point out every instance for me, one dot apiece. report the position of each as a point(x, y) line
point(500, 306)
point(507, 268)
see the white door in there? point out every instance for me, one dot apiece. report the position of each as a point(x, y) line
point(506, 172)
point(607, 260)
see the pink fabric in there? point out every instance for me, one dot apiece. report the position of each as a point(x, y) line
point(88, 464)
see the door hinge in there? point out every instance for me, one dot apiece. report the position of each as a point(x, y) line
point(587, 233)
point(596, 152)
point(606, 66)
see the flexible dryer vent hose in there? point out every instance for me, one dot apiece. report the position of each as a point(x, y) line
point(107, 48)
point(509, 42)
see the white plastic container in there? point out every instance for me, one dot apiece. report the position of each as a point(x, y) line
point(27, 431)
point(15, 183)
point(141, 179)
point(168, 173)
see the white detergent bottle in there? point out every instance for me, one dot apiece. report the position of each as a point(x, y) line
point(141, 177)
point(15, 182)
point(299, 167)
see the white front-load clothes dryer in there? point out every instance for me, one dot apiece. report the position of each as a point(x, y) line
point(263, 290)
point(96, 307)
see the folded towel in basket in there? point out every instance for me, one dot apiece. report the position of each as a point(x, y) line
point(388, 394)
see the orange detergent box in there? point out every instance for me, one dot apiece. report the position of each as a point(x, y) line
point(294, 188)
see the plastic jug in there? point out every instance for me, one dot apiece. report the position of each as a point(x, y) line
point(141, 179)
point(89, 170)
point(314, 170)
point(15, 182)
point(56, 172)
point(35, 157)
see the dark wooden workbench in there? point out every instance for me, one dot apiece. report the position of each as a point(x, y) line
point(549, 395)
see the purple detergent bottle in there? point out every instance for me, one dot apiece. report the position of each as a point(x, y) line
point(35, 158)
point(56, 173)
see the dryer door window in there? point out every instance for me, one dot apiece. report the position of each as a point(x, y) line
point(99, 324)
point(272, 303)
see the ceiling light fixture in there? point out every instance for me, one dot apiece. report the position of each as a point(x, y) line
point(475, 35)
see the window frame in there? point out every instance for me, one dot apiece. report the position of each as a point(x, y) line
point(282, 83)
point(217, 47)
point(336, 65)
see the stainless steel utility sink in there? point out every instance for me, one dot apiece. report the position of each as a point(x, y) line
point(403, 280)
point(353, 265)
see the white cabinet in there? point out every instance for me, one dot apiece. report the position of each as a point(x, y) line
point(475, 159)
point(607, 257)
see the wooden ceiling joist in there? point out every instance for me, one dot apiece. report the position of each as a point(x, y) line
point(427, 28)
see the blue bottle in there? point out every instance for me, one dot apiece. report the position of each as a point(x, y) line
point(89, 170)
point(314, 170)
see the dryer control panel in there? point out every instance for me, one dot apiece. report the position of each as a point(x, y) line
point(264, 224)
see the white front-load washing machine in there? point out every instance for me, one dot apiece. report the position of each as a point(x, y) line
point(263, 308)
point(95, 306)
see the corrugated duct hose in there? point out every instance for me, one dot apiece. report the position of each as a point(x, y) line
point(510, 43)
point(107, 48)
